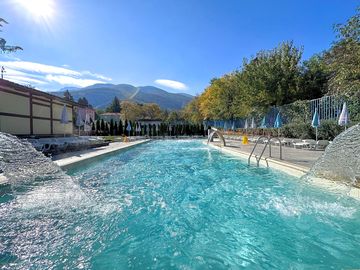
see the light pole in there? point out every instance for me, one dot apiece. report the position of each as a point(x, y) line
point(2, 72)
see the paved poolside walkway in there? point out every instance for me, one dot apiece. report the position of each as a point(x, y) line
point(67, 159)
point(298, 157)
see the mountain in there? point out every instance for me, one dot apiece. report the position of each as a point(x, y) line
point(101, 95)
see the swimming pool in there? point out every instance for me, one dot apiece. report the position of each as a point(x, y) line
point(176, 205)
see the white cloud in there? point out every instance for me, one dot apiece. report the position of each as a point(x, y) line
point(38, 68)
point(67, 80)
point(95, 75)
point(171, 84)
point(48, 76)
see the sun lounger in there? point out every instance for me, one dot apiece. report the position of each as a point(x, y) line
point(284, 142)
point(305, 144)
point(321, 145)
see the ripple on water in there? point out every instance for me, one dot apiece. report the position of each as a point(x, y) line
point(175, 204)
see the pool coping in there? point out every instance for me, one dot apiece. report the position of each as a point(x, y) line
point(81, 156)
point(293, 170)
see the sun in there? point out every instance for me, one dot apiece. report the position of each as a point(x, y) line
point(39, 9)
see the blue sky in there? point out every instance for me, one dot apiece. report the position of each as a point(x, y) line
point(177, 45)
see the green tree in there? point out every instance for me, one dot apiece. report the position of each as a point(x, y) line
point(121, 130)
point(272, 77)
point(111, 127)
point(125, 127)
point(343, 59)
point(191, 112)
point(68, 96)
point(314, 79)
point(3, 47)
point(83, 101)
point(98, 127)
point(102, 126)
point(116, 128)
point(114, 107)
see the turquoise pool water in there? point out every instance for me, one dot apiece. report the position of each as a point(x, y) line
point(176, 205)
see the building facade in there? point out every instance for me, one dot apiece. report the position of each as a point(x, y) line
point(25, 111)
point(110, 116)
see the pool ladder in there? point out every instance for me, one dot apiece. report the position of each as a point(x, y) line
point(258, 158)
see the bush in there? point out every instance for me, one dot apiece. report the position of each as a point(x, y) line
point(298, 130)
point(329, 129)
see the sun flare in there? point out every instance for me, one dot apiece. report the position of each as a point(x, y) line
point(39, 9)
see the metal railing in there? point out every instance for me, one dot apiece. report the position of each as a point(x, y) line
point(258, 158)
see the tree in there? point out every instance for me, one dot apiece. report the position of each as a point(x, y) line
point(115, 128)
point(314, 79)
point(151, 111)
point(114, 107)
point(83, 101)
point(174, 117)
point(343, 59)
point(191, 112)
point(125, 127)
point(68, 96)
point(111, 127)
point(98, 127)
point(121, 130)
point(102, 125)
point(3, 47)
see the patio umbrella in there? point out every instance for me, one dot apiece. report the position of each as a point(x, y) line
point(316, 123)
point(64, 117)
point(253, 124)
point(79, 121)
point(278, 122)
point(263, 123)
point(246, 125)
point(128, 128)
point(344, 116)
point(225, 126)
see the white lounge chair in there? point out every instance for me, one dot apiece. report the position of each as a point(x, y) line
point(305, 144)
point(321, 144)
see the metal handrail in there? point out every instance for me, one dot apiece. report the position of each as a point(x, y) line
point(258, 158)
point(257, 142)
point(276, 138)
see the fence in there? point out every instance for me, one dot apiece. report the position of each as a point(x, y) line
point(328, 107)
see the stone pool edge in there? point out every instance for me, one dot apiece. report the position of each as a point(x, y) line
point(87, 155)
point(293, 170)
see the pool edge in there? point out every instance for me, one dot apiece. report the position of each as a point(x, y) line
point(67, 162)
point(295, 171)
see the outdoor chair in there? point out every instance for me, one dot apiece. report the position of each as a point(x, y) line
point(309, 144)
point(321, 144)
point(286, 142)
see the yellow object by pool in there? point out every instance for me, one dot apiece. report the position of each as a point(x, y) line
point(245, 140)
point(126, 139)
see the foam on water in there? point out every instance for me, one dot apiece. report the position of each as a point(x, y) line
point(168, 205)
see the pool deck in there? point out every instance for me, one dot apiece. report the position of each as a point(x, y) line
point(296, 162)
point(70, 158)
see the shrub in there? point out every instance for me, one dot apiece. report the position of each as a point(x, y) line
point(329, 129)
